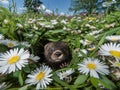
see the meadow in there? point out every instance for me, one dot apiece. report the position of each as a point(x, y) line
point(94, 42)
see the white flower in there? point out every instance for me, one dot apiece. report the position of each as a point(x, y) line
point(110, 49)
point(13, 60)
point(35, 27)
point(95, 32)
point(92, 27)
point(34, 58)
point(93, 67)
point(31, 21)
point(1, 36)
point(54, 22)
point(113, 38)
point(41, 76)
point(85, 42)
point(19, 25)
point(63, 21)
point(106, 4)
point(82, 51)
point(87, 25)
point(9, 43)
point(25, 43)
point(5, 21)
point(91, 48)
point(115, 63)
point(65, 74)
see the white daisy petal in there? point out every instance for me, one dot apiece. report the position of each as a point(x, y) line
point(113, 38)
point(40, 77)
point(93, 67)
point(110, 49)
point(64, 74)
point(12, 61)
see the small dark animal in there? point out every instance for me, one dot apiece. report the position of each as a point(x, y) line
point(56, 54)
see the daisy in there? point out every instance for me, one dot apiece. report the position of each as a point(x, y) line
point(9, 43)
point(110, 49)
point(82, 52)
point(31, 21)
point(93, 67)
point(13, 60)
point(54, 22)
point(19, 25)
point(35, 27)
point(115, 63)
point(41, 76)
point(1, 36)
point(6, 21)
point(95, 32)
point(91, 48)
point(63, 22)
point(25, 43)
point(65, 74)
point(113, 38)
point(34, 58)
point(85, 42)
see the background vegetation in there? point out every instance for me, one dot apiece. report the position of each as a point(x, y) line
point(40, 28)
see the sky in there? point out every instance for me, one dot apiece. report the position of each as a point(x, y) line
point(61, 5)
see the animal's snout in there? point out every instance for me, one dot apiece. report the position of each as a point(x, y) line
point(58, 53)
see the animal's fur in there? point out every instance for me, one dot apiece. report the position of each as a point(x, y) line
point(56, 53)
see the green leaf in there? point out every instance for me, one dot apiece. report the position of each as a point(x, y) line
point(99, 43)
point(16, 74)
point(80, 79)
point(107, 83)
point(13, 89)
point(56, 31)
point(26, 69)
point(94, 81)
point(89, 37)
point(88, 88)
point(55, 78)
point(24, 88)
point(53, 39)
point(20, 78)
point(3, 48)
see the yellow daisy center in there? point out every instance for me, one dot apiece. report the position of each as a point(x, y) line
point(91, 66)
point(13, 59)
point(10, 44)
point(40, 76)
point(91, 49)
point(115, 53)
point(117, 64)
point(114, 39)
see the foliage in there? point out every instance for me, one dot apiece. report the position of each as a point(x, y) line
point(32, 5)
point(38, 29)
point(94, 6)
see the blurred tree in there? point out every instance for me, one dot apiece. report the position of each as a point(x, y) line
point(32, 5)
point(93, 6)
point(83, 6)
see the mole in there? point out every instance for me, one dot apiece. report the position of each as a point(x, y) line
point(57, 54)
